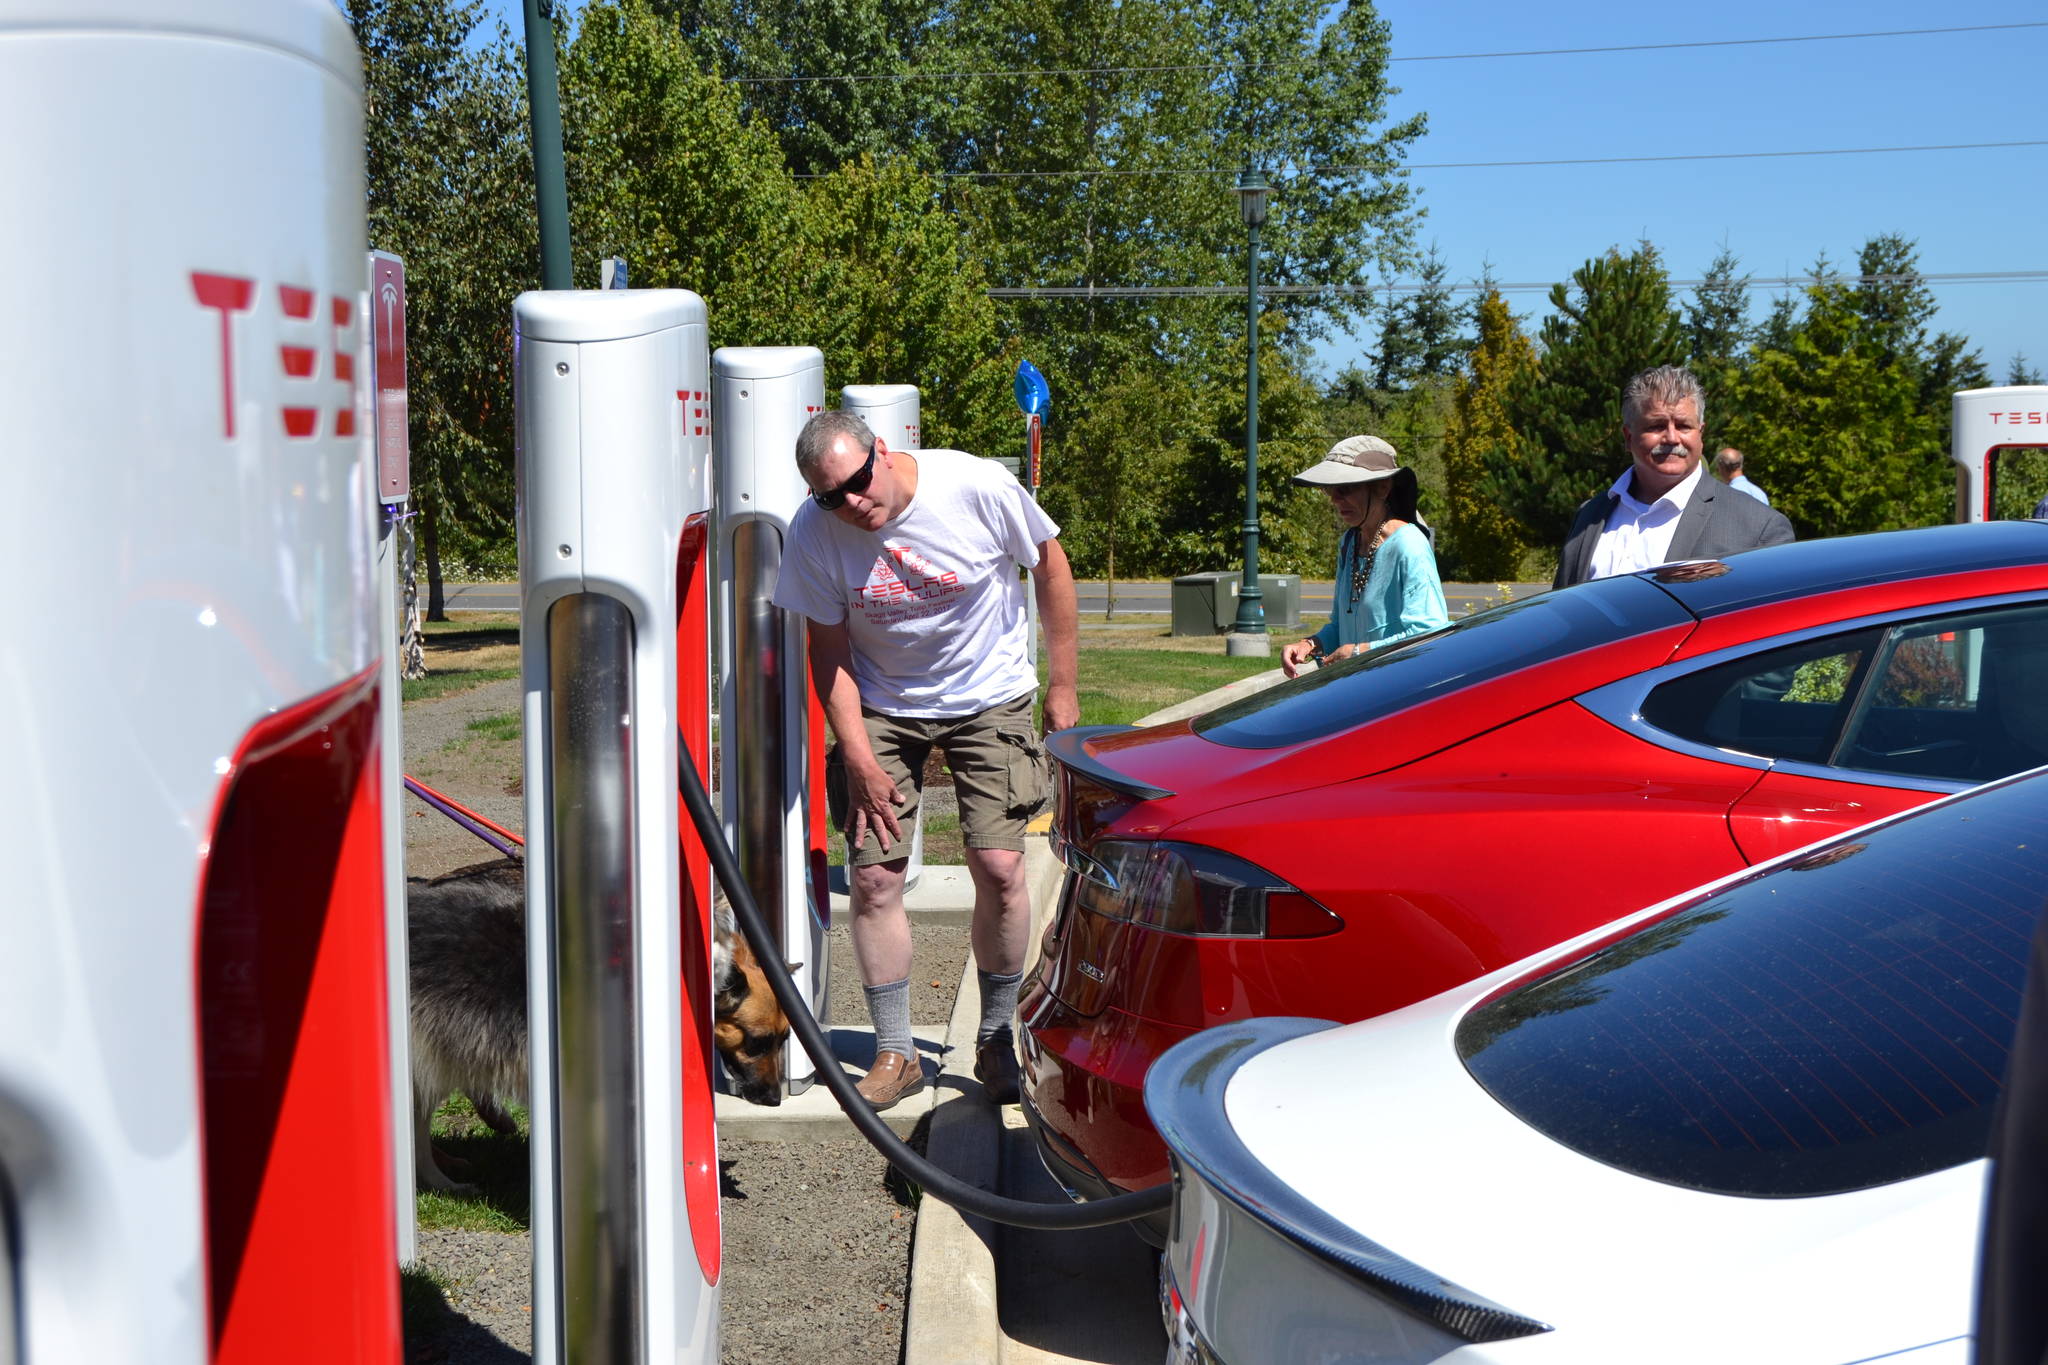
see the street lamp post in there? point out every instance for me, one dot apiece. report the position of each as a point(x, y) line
point(1248, 635)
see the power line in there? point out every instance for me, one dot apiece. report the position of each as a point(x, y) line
point(1110, 171)
point(1023, 73)
point(1236, 291)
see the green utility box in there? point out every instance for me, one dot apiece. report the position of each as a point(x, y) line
point(1206, 603)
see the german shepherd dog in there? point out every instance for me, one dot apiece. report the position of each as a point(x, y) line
point(466, 939)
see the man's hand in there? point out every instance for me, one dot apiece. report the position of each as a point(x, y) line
point(1062, 708)
point(873, 798)
point(1295, 655)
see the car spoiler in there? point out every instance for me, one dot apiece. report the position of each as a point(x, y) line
point(1070, 749)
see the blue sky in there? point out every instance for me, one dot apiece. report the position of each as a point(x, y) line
point(1970, 211)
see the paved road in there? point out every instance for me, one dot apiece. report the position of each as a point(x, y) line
point(1133, 598)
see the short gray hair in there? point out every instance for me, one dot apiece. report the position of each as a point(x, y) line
point(815, 441)
point(1665, 384)
point(1728, 460)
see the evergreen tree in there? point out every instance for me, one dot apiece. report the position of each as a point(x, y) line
point(1614, 320)
point(2020, 372)
point(1717, 316)
point(1422, 335)
point(1484, 542)
point(1846, 418)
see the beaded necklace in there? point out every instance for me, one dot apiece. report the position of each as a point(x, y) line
point(1361, 564)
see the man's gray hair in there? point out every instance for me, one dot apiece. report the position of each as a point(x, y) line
point(1728, 460)
point(814, 442)
point(1665, 384)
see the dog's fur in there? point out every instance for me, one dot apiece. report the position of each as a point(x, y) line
point(466, 939)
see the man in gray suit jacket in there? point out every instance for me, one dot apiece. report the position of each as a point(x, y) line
point(1664, 508)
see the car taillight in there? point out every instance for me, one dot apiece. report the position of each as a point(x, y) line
point(1086, 808)
point(1189, 889)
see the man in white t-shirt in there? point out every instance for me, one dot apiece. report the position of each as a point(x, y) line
point(1663, 508)
point(907, 565)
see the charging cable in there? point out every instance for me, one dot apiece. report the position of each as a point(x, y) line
point(941, 1185)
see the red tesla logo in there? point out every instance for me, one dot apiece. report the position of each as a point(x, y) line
point(2015, 419)
point(299, 359)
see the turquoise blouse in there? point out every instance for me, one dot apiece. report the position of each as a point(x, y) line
point(1403, 597)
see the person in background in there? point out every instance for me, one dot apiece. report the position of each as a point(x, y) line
point(1387, 588)
point(1663, 508)
point(1728, 469)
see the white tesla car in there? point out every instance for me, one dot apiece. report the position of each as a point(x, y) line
point(1745, 1125)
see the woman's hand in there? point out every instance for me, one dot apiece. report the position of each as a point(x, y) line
point(1295, 655)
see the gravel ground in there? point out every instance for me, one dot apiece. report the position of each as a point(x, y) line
point(816, 1234)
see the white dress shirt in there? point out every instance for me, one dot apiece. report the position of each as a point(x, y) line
point(1638, 534)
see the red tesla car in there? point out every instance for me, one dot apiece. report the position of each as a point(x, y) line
point(1393, 825)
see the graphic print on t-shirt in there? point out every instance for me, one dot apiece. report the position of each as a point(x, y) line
point(909, 586)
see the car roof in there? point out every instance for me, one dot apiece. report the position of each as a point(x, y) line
point(1809, 568)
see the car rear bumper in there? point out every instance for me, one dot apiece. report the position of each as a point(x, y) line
point(1084, 1086)
point(1081, 1181)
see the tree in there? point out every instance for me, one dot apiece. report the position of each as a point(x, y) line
point(883, 283)
point(1422, 336)
point(450, 192)
point(1614, 320)
point(1135, 434)
point(835, 81)
point(1717, 334)
point(2020, 372)
point(1849, 410)
point(1484, 541)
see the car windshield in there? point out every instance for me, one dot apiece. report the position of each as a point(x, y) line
point(1838, 1022)
point(1487, 645)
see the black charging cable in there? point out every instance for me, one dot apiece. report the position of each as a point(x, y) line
point(939, 1184)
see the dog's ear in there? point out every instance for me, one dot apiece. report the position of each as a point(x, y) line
point(733, 988)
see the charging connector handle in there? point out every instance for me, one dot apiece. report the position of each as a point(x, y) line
point(939, 1184)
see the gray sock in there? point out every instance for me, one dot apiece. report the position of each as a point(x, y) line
point(998, 1003)
point(889, 1007)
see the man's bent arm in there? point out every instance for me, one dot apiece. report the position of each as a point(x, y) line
point(872, 797)
point(1053, 580)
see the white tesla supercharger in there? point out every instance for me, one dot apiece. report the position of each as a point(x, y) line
point(194, 1109)
point(614, 479)
point(893, 412)
point(771, 725)
point(1983, 423)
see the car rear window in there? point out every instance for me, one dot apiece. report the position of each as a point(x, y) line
point(1487, 645)
point(1834, 1023)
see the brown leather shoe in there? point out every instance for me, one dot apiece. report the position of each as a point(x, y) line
point(995, 1066)
point(892, 1077)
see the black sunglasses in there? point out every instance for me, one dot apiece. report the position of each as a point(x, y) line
point(833, 498)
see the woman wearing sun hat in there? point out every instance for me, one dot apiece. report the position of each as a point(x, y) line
point(1387, 588)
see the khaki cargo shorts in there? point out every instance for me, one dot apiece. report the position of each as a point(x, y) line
point(999, 771)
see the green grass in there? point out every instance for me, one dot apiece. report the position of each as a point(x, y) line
point(504, 727)
point(1121, 684)
point(448, 682)
point(499, 1168)
point(466, 653)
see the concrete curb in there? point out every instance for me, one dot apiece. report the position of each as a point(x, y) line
point(1209, 701)
point(953, 1315)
